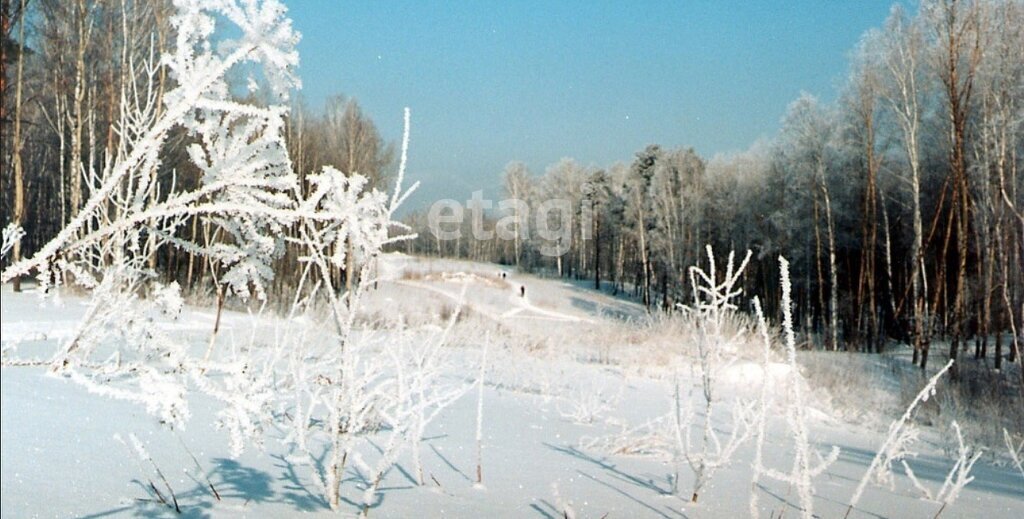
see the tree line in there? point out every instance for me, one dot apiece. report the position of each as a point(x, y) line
point(899, 205)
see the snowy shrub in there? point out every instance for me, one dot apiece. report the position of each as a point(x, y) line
point(337, 387)
point(712, 303)
point(423, 391)
point(718, 335)
point(652, 438)
point(340, 392)
point(585, 403)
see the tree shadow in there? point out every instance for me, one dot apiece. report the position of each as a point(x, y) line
point(648, 484)
point(240, 482)
point(233, 482)
point(450, 464)
point(631, 497)
point(552, 512)
point(294, 490)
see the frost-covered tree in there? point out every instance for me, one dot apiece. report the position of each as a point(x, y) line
point(639, 213)
point(519, 187)
point(246, 189)
point(806, 137)
point(902, 45)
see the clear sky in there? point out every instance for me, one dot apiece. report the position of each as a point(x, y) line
point(491, 82)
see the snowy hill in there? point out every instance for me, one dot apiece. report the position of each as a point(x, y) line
point(578, 389)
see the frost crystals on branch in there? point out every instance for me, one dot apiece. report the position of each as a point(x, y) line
point(108, 248)
point(804, 469)
point(11, 235)
point(764, 400)
point(958, 477)
point(902, 434)
point(712, 307)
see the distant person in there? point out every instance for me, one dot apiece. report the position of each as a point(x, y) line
point(522, 290)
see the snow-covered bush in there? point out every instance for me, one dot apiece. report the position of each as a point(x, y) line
point(656, 437)
point(585, 403)
point(340, 391)
point(712, 303)
point(423, 390)
point(337, 387)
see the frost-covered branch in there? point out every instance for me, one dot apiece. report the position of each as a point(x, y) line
point(1016, 451)
point(804, 470)
point(11, 234)
point(958, 476)
point(902, 434)
point(120, 348)
point(764, 399)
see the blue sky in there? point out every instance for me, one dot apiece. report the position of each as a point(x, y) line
point(491, 82)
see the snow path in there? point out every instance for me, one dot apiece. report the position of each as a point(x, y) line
point(521, 305)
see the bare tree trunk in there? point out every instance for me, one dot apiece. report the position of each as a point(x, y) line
point(869, 232)
point(191, 253)
point(833, 275)
point(645, 260)
point(888, 259)
point(817, 262)
point(78, 118)
point(19, 174)
point(956, 29)
point(597, 252)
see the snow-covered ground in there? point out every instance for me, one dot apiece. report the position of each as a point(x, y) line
point(577, 388)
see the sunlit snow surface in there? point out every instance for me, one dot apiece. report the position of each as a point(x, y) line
point(549, 410)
